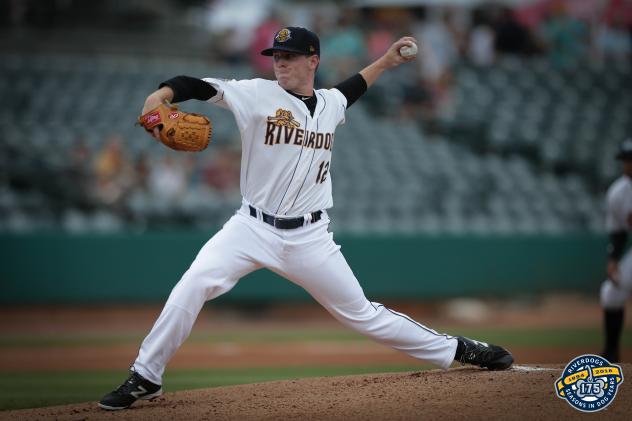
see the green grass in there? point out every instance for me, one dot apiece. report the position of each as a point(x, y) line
point(37, 389)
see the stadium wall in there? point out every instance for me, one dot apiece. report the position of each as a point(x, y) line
point(48, 268)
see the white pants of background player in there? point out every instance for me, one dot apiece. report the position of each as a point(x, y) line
point(308, 257)
point(613, 297)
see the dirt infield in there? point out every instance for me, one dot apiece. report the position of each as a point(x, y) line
point(462, 393)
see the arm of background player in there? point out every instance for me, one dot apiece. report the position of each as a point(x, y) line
point(390, 59)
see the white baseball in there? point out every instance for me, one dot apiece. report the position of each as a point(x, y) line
point(407, 51)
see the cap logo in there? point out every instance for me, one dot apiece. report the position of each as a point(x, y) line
point(283, 35)
point(311, 49)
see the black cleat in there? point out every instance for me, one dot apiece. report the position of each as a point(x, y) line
point(135, 387)
point(481, 354)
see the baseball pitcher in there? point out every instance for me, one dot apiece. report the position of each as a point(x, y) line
point(287, 132)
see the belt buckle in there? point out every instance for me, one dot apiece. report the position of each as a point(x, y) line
point(278, 222)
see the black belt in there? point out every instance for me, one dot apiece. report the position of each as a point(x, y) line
point(285, 223)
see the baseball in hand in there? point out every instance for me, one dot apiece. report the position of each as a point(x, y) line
point(408, 51)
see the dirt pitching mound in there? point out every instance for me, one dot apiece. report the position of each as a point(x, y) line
point(523, 392)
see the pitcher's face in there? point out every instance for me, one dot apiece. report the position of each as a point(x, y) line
point(294, 71)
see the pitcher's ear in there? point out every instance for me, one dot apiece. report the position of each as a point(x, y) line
point(315, 60)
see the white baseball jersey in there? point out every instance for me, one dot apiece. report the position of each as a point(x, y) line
point(286, 153)
point(618, 218)
point(619, 205)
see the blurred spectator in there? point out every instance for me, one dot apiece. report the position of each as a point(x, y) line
point(439, 52)
point(80, 155)
point(114, 176)
point(230, 47)
point(221, 172)
point(511, 36)
point(79, 171)
point(381, 32)
point(233, 23)
point(417, 101)
point(619, 12)
point(379, 39)
point(480, 48)
point(481, 45)
point(142, 170)
point(343, 49)
point(613, 42)
point(169, 179)
point(262, 38)
point(564, 37)
point(438, 45)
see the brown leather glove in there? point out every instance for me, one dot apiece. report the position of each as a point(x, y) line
point(179, 130)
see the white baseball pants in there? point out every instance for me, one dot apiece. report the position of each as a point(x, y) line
point(306, 256)
point(613, 297)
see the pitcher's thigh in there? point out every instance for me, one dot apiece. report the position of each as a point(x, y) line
point(223, 260)
point(331, 281)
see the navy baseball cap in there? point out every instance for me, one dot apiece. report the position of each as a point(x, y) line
point(625, 150)
point(294, 39)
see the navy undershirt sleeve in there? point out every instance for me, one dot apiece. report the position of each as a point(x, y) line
point(187, 87)
point(352, 88)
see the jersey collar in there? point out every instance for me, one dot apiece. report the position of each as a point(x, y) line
point(311, 102)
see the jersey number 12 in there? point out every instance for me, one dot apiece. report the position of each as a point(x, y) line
point(322, 172)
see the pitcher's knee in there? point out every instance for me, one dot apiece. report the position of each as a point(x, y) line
point(200, 286)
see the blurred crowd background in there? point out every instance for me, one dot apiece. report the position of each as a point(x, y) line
point(508, 121)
